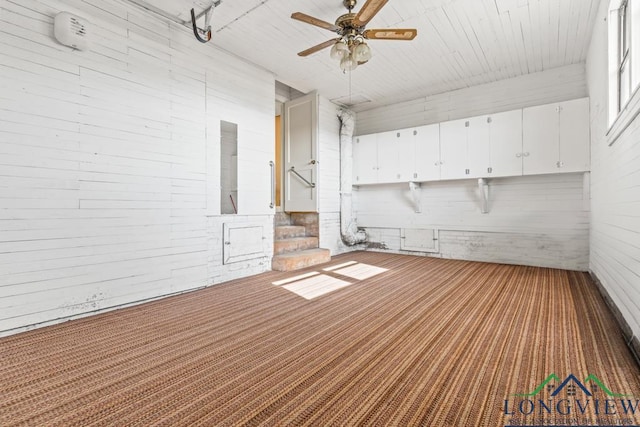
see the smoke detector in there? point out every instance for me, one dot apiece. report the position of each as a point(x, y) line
point(71, 30)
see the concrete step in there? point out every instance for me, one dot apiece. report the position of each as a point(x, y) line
point(301, 259)
point(289, 231)
point(294, 244)
point(282, 218)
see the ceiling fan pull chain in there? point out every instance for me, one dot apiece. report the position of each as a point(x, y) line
point(207, 22)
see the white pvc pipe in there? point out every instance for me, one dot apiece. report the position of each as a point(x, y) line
point(348, 227)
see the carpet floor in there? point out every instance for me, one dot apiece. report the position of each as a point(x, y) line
point(422, 342)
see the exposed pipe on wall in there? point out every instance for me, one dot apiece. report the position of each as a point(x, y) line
point(348, 227)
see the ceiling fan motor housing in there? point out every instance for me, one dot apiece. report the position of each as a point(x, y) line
point(349, 4)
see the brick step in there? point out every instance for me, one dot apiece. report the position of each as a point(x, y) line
point(301, 259)
point(294, 244)
point(282, 218)
point(289, 231)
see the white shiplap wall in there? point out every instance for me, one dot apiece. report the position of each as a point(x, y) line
point(556, 84)
point(534, 220)
point(110, 164)
point(615, 191)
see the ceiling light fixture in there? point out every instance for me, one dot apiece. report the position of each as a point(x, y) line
point(351, 48)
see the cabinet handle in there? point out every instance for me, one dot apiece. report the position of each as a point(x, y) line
point(488, 119)
point(398, 135)
point(415, 175)
point(466, 171)
point(518, 155)
point(437, 163)
point(415, 132)
point(489, 170)
point(559, 164)
point(466, 124)
point(526, 154)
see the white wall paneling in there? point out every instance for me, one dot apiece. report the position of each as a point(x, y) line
point(533, 220)
point(615, 191)
point(110, 160)
point(551, 85)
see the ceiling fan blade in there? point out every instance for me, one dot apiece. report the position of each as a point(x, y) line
point(315, 21)
point(368, 11)
point(318, 47)
point(391, 34)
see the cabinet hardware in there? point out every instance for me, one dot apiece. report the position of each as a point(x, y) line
point(466, 124)
point(466, 171)
point(398, 135)
point(526, 154)
point(489, 170)
point(415, 132)
point(559, 164)
point(518, 155)
point(227, 243)
point(312, 162)
point(357, 140)
point(488, 119)
point(415, 175)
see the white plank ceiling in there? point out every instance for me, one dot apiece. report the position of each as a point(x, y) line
point(460, 43)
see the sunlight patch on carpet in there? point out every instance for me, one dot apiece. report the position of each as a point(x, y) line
point(295, 278)
point(316, 286)
point(361, 271)
point(335, 267)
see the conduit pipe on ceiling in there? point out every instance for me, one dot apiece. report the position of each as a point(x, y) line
point(348, 227)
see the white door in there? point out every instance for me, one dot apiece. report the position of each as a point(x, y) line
point(506, 143)
point(574, 136)
point(301, 154)
point(427, 153)
point(453, 149)
point(540, 144)
point(365, 159)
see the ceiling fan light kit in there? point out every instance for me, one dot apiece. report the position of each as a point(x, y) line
point(350, 48)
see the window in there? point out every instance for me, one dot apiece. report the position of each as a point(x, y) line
point(624, 60)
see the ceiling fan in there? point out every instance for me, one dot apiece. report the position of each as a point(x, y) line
point(350, 48)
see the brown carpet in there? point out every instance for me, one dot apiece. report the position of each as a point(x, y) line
point(429, 342)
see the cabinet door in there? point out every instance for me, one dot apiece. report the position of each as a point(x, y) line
point(453, 149)
point(574, 136)
point(427, 153)
point(365, 159)
point(406, 155)
point(478, 149)
point(388, 157)
point(506, 143)
point(540, 142)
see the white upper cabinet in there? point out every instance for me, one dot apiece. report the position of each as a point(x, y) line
point(506, 144)
point(574, 136)
point(365, 159)
point(478, 147)
point(388, 157)
point(556, 137)
point(551, 138)
point(427, 153)
point(407, 155)
point(453, 149)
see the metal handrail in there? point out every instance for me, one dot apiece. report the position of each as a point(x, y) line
point(310, 184)
point(273, 184)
